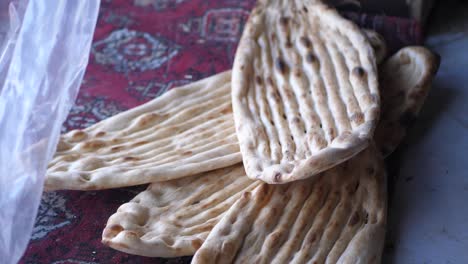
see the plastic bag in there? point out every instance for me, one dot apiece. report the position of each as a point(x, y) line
point(44, 50)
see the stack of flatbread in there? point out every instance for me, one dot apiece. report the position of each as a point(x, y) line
point(279, 160)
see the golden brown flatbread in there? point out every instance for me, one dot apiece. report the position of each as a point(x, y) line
point(186, 131)
point(304, 90)
point(173, 218)
point(338, 217)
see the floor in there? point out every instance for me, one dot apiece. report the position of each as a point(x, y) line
point(428, 211)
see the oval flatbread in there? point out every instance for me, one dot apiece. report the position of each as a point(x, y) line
point(304, 90)
point(186, 131)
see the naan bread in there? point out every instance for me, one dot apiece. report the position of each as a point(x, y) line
point(405, 79)
point(186, 131)
point(304, 90)
point(173, 218)
point(146, 245)
point(337, 217)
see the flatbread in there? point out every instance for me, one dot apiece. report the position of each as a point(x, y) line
point(173, 218)
point(338, 217)
point(304, 90)
point(406, 79)
point(154, 227)
point(186, 131)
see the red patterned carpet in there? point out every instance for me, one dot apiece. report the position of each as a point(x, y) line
point(141, 49)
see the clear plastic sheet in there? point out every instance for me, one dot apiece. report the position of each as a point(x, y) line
point(44, 50)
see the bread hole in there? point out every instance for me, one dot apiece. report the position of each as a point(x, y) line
point(305, 131)
point(85, 177)
point(259, 80)
point(116, 149)
point(305, 41)
point(93, 145)
point(112, 231)
point(270, 81)
point(141, 143)
point(359, 71)
point(167, 240)
point(311, 58)
point(132, 234)
point(357, 186)
point(146, 119)
point(357, 118)
point(281, 65)
point(258, 167)
point(128, 159)
point(196, 244)
point(366, 217)
point(354, 219)
point(233, 219)
point(321, 125)
point(374, 98)
point(298, 73)
point(101, 134)
point(195, 202)
point(61, 168)
point(305, 9)
point(284, 21)
point(70, 158)
point(331, 132)
point(78, 135)
point(296, 120)
point(284, 116)
point(370, 170)
point(277, 177)
point(116, 140)
point(225, 231)
point(63, 146)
